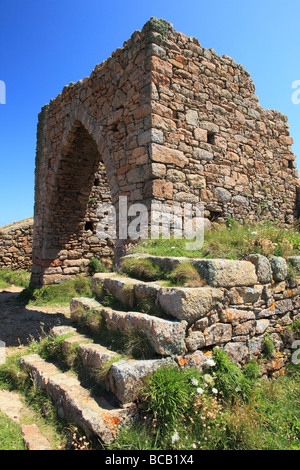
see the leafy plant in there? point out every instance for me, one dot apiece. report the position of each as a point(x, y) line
point(268, 346)
point(229, 379)
point(96, 267)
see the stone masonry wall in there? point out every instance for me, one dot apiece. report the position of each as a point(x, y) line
point(218, 145)
point(163, 120)
point(251, 311)
point(242, 304)
point(102, 120)
point(16, 246)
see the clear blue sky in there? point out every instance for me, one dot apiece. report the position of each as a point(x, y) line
point(46, 44)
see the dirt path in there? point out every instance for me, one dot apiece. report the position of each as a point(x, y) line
point(20, 324)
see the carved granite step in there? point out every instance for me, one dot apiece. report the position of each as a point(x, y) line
point(183, 303)
point(75, 404)
point(216, 272)
point(166, 337)
point(123, 377)
point(128, 291)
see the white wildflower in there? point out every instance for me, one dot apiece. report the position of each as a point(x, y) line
point(214, 390)
point(211, 363)
point(195, 381)
point(200, 390)
point(208, 379)
point(175, 437)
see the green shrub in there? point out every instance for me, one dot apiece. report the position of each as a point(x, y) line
point(168, 394)
point(96, 267)
point(229, 379)
point(295, 327)
point(231, 240)
point(268, 346)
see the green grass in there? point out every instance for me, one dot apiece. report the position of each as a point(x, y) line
point(57, 294)
point(142, 269)
point(222, 408)
point(231, 241)
point(19, 278)
point(42, 410)
point(10, 434)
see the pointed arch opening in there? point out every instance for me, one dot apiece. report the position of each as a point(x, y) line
point(81, 184)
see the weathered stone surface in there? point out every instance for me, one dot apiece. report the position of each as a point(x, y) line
point(95, 356)
point(121, 287)
point(226, 273)
point(195, 340)
point(166, 337)
point(255, 346)
point(16, 245)
point(235, 316)
point(244, 328)
point(222, 194)
point(79, 305)
point(237, 352)
point(279, 268)
point(263, 268)
point(74, 403)
point(244, 295)
point(295, 262)
point(196, 359)
point(261, 326)
point(33, 438)
point(127, 377)
point(217, 333)
point(189, 303)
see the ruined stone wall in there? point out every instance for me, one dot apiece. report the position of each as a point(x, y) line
point(91, 148)
point(242, 305)
point(164, 120)
point(256, 307)
point(218, 145)
point(16, 245)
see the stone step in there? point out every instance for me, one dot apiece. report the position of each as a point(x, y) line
point(216, 272)
point(75, 404)
point(166, 337)
point(183, 303)
point(128, 291)
point(33, 438)
point(123, 377)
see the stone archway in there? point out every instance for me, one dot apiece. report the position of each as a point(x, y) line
point(78, 183)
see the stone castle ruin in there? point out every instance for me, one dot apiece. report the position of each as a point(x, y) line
point(162, 119)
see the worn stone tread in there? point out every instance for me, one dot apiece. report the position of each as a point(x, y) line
point(95, 415)
point(33, 438)
point(165, 336)
point(125, 375)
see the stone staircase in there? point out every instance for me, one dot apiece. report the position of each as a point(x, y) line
point(179, 326)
